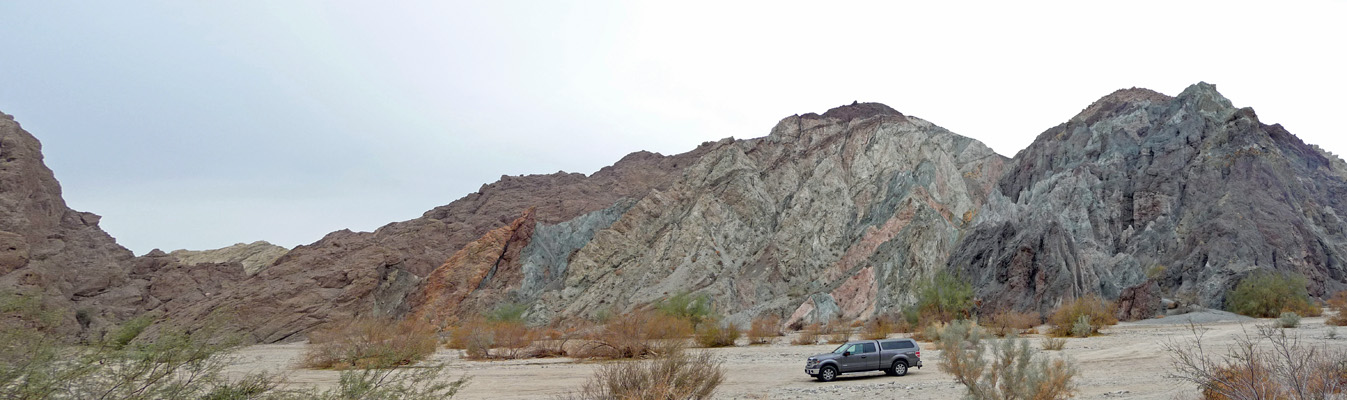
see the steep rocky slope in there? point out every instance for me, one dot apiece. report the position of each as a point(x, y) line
point(1188, 185)
point(253, 256)
point(348, 274)
point(72, 265)
point(833, 214)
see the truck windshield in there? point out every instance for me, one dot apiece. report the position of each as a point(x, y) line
point(842, 349)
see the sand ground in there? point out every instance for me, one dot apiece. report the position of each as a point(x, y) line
point(1128, 361)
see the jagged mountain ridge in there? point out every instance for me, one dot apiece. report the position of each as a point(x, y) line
point(832, 215)
point(1141, 180)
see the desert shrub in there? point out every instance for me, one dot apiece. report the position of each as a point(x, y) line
point(1066, 317)
point(1266, 364)
point(931, 333)
point(764, 329)
point(1156, 272)
point(430, 382)
point(370, 343)
point(1083, 328)
point(809, 335)
point(1002, 369)
point(1006, 322)
point(713, 333)
point(1338, 303)
point(945, 298)
point(674, 375)
point(683, 305)
point(879, 328)
point(128, 331)
point(637, 334)
point(1288, 320)
point(1054, 344)
point(508, 312)
point(837, 332)
point(1267, 294)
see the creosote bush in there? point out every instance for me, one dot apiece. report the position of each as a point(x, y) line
point(677, 374)
point(1266, 294)
point(837, 331)
point(764, 329)
point(1338, 303)
point(173, 364)
point(879, 328)
point(1065, 319)
point(945, 298)
point(1054, 344)
point(1265, 364)
point(809, 335)
point(713, 333)
point(1002, 369)
point(692, 308)
point(1007, 322)
point(1288, 320)
point(370, 343)
point(638, 334)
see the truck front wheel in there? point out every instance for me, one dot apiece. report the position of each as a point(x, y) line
point(827, 374)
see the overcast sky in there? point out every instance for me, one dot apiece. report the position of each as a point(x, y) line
point(193, 124)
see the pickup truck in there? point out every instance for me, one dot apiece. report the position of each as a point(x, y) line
point(893, 356)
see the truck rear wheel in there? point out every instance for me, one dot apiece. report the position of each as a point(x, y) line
point(899, 368)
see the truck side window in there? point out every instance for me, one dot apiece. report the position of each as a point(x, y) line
point(867, 347)
point(905, 345)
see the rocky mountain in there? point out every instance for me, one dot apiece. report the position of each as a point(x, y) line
point(838, 215)
point(347, 274)
point(253, 256)
point(1190, 186)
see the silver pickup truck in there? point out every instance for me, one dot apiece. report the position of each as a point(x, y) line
point(893, 356)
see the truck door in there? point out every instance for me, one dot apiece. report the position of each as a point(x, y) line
point(864, 357)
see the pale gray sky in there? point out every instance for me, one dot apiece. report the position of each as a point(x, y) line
point(202, 124)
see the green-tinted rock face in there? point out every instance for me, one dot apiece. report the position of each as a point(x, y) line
point(1140, 180)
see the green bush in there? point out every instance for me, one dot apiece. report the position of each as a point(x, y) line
point(1012, 370)
point(508, 312)
point(1266, 294)
point(713, 334)
point(1082, 327)
point(1288, 320)
point(683, 305)
point(945, 298)
point(1067, 317)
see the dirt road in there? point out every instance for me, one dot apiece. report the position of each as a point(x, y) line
point(1128, 361)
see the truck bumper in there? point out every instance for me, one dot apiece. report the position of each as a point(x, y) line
point(811, 371)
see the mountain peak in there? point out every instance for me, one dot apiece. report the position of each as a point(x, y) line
point(1205, 97)
point(1119, 99)
point(855, 110)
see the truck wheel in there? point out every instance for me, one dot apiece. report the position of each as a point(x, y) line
point(827, 374)
point(899, 368)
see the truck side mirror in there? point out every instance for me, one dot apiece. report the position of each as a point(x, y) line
point(846, 354)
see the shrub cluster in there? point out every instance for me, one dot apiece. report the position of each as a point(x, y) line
point(1006, 322)
point(1266, 294)
point(1288, 320)
point(638, 334)
point(1267, 364)
point(809, 335)
point(945, 298)
point(173, 364)
point(676, 374)
point(713, 333)
point(1338, 303)
point(1002, 369)
point(764, 329)
point(1082, 317)
point(370, 343)
point(881, 327)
